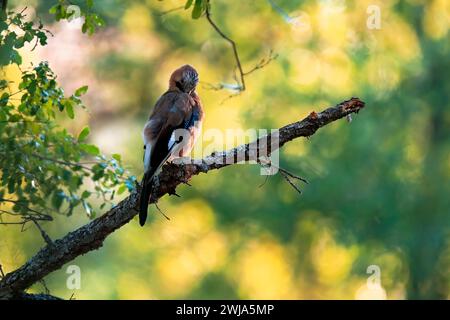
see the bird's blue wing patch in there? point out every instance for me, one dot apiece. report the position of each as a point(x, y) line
point(194, 117)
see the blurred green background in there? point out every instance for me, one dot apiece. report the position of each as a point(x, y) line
point(379, 186)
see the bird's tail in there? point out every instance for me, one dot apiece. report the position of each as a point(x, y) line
point(145, 195)
point(148, 176)
point(146, 185)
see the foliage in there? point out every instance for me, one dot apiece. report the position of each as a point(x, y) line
point(44, 168)
point(199, 7)
point(11, 41)
point(65, 10)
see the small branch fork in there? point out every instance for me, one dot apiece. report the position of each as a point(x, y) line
point(91, 236)
point(240, 79)
point(287, 175)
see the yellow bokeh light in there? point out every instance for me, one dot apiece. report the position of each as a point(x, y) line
point(337, 71)
point(437, 18)
point(263, 271)
point(178, 271)
point(332, 261)
point(306, 67)
point(132, 287)
point(137, 19)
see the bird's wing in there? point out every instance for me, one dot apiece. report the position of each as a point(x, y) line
point(173, 111)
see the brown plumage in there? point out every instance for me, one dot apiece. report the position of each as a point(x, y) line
point(171, 129)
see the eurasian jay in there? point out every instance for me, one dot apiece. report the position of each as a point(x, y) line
point(172, 128)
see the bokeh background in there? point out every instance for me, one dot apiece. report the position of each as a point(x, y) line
point(379, 186)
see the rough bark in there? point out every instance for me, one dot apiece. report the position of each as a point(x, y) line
point(91, 236)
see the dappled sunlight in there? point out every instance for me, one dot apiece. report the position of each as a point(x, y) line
point(179, 271)
point(137, 19)
point(437, 18)
point(383, 73)
point(332, 22)
point(11, 250)
point(132, 287)
point(306, 68)
point(263, 271)
point(405, 47)
point(189, 222)
point(332, 261)
point(95, 284)
point(337, 72)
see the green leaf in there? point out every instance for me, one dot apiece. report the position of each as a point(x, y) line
point(57, 199)
point(4, 99)
point(188, 4)
point(28, 36)
point(122, 189)
point(90, 148)
point(83, 134)
point(80, 91)
point(69, 110)
point(15, 57)
point(11, 185)
point(3, 117)
point(198, 9)
point(19, 42)
point(85, 194)
point(3, 84)
point(54, 9)
point(15, 118)
point(117, 157)
point(3, 25)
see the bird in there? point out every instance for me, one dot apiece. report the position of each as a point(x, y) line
point(172, 128)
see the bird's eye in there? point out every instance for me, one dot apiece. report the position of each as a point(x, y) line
point(179, 85)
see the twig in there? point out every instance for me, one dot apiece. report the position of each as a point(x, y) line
point(240, 78)
point(43, 233)
point(37, 216)
point(66, 163)
point(230, 41)
point(157, 207)
point(265, 181)
point(290, 174)
point(46, 290)
point(163, 13)
point(288, 179)
point(264, 62)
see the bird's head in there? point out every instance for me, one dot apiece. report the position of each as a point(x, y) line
point(184, 78)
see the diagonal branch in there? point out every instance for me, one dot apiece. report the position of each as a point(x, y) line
point(91, 236)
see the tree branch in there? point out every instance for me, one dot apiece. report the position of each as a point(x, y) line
point(91, 236)
point(35, 296)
